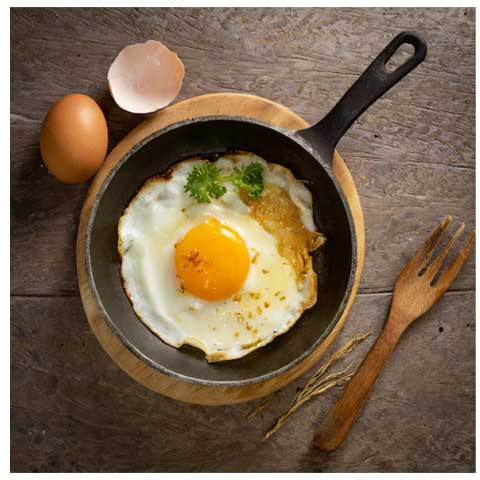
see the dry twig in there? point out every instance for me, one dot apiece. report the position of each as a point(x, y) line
point(261, 406)
point(316, 384)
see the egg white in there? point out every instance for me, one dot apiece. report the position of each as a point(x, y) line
point(272, 297)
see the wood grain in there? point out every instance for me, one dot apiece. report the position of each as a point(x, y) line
point(213, 104)
point(412, 156)
point(412, 152)
point(75, 410)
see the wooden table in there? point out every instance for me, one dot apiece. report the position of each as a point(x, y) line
point(412, 156)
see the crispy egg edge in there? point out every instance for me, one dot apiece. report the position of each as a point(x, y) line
point(218, 356)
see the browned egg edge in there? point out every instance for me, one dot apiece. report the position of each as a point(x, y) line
point(254, 345)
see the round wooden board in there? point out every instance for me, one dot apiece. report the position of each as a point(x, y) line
point(205, 105)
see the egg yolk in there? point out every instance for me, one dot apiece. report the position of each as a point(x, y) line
point(212, 261)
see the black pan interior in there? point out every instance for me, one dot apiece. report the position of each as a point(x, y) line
point(333, 263)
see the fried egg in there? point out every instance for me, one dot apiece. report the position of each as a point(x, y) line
point(226, 277)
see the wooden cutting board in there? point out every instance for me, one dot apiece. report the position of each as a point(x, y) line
point(205, 105)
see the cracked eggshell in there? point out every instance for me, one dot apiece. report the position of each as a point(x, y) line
point(145, 77)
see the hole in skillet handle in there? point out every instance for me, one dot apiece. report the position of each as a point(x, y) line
point(369, 87)
point(401, 55)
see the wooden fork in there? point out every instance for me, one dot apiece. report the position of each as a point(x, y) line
point(415, 292)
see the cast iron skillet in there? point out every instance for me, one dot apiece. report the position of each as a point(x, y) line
point(308, 154)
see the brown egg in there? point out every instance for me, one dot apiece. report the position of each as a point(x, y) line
point(74, 138)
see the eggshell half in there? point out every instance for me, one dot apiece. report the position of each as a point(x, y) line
point(145, 77)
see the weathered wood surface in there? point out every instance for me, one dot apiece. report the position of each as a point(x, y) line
point(74, 410)
point(412, 156)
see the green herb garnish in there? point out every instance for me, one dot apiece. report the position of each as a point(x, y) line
point(204, 182)
point(249, 178)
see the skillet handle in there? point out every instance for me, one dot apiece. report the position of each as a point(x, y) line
point(369, 87)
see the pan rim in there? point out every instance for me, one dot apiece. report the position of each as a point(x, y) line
point(296, 138)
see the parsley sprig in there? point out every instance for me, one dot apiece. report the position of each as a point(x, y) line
point(205, 181)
